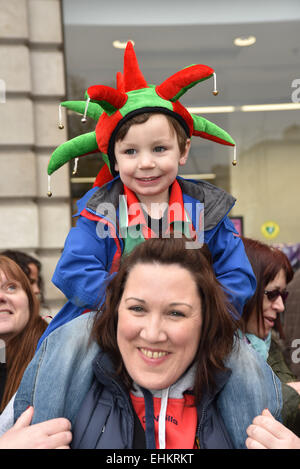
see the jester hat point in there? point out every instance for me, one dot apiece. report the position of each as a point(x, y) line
point(111, 107)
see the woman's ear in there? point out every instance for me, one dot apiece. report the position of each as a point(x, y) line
point(184, 156)
point(116, 166)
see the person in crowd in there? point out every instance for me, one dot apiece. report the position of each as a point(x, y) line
point(144, 135)
point(53, 434)
point(263, 315)
point(21, 325)
point(152, 368)
point(267, 433)
point(32, 268)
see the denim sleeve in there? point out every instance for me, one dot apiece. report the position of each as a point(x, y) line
point(25, 393)
point(231, 264)
point(83, 269)
point(251, 388)
point(60, 373)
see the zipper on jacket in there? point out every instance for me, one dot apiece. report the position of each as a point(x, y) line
point(127, 403)
point(199, 428)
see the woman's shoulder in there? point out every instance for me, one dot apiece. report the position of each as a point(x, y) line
point(64, 358)
point(71, 336)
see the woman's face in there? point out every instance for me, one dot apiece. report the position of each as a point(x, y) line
point(270, 309)
point(159, 324)
point(14, 307)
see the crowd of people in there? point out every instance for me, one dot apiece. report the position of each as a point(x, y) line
point(170, 335)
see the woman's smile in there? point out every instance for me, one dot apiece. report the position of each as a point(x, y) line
point(153, 357)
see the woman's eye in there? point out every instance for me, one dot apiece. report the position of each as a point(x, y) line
point(11, 287)
point(136, 309)
point(177, 314)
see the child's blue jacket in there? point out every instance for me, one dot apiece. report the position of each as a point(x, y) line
point(94, 247)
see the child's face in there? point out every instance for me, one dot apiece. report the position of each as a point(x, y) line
point(148, 158)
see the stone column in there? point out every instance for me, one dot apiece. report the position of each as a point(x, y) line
point(32, 71)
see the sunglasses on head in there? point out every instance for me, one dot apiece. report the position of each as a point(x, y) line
point(272, 295)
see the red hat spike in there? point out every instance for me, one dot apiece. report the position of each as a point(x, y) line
point(133, 77)
point(120, 82)
point(176, 85)
point(107, 94)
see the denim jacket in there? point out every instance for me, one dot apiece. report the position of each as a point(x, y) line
point(61, 374)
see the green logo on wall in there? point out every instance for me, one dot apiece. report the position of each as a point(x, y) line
point(270, 229)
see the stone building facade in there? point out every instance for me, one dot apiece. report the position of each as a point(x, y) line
point(32, 79)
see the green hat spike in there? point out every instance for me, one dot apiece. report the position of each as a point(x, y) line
point(78, 146)
point(210, 131)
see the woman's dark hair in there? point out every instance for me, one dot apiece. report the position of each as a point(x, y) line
point(20, 348)
point(217, 329)
point(266, 262)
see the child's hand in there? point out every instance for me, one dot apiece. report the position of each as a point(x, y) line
point(267, 433)
point(52, 434)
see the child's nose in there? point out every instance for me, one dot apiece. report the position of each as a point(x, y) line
point(146, 160)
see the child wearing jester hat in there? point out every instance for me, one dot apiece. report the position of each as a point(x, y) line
point(144, 134)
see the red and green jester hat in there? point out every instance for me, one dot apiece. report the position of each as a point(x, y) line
point(111, 107)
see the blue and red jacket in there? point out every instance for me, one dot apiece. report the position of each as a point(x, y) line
point(94, 247)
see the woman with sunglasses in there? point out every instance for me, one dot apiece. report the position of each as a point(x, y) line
point(262, 316)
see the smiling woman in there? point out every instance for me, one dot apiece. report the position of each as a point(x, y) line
point(14, 312)
point(263, 316)
point(264, 311)
point(166, 328)
point(158, 299)
point(20, 324)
